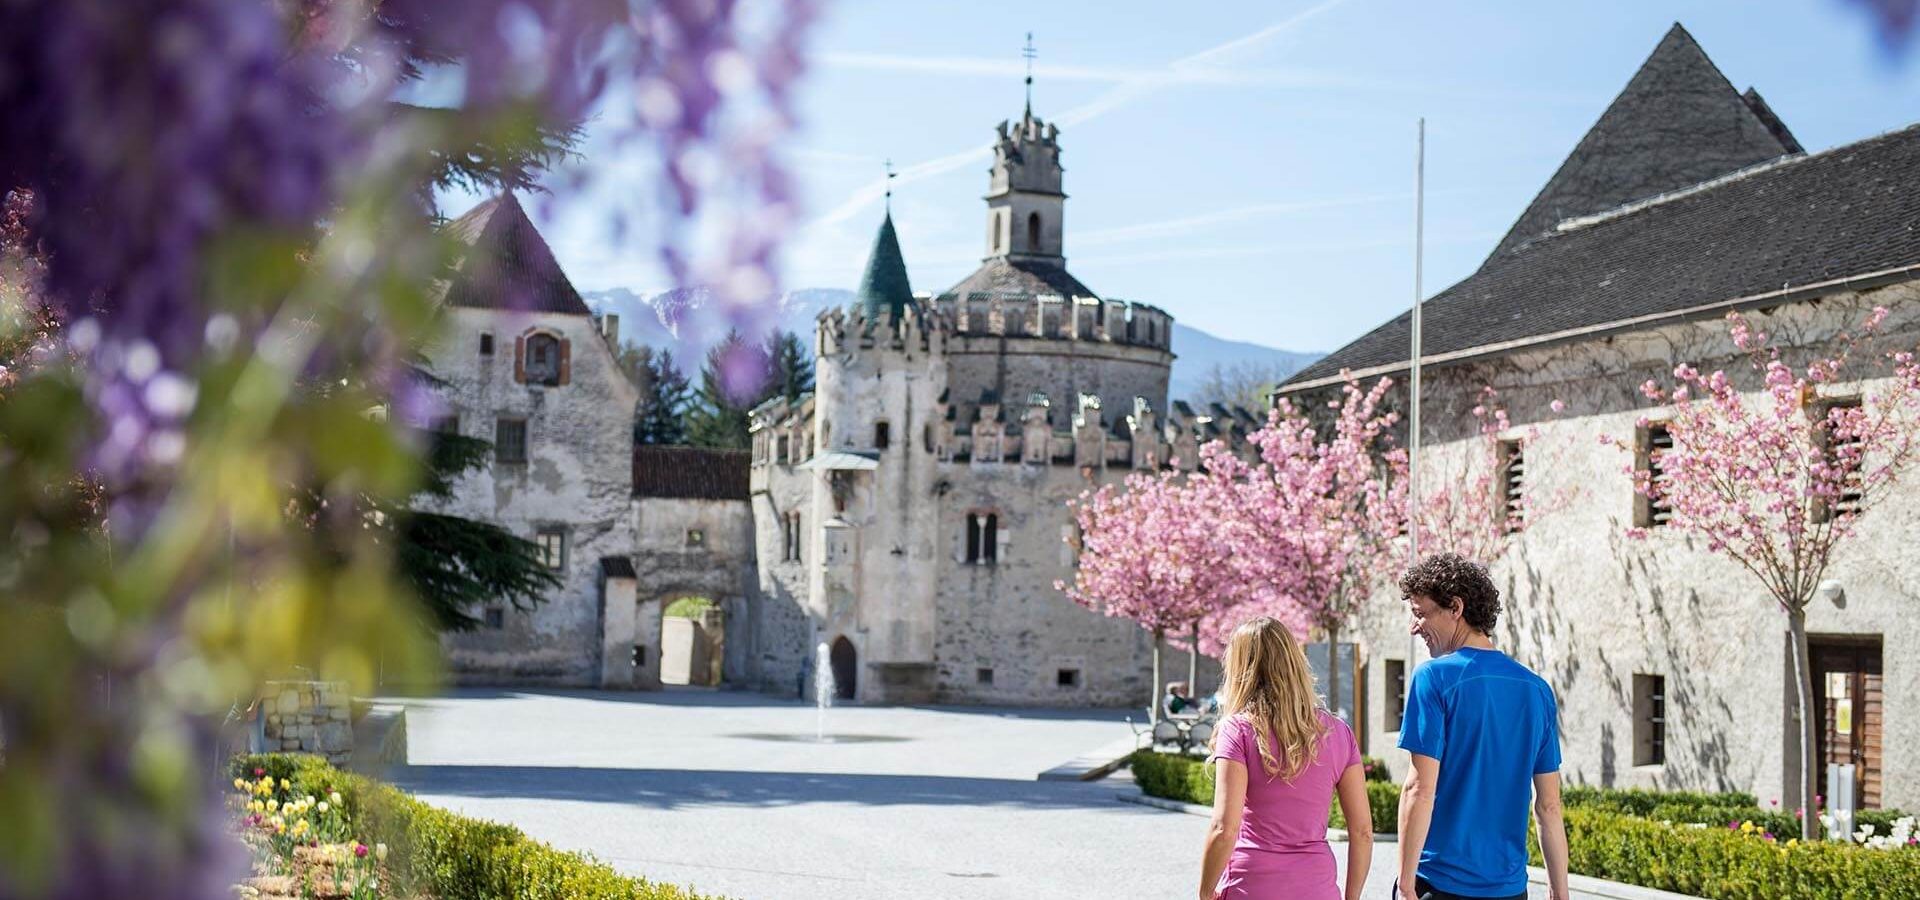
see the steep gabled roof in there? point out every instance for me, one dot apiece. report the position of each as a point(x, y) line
point(505, 264)
point(1846, 218)
point(1678, 122)
point(884, 285)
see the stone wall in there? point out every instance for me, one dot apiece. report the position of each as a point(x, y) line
point(1589, 607)
point(308, 717)
point(577, 479)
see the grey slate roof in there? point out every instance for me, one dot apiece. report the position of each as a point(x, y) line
point(506, 264)
point(1020, 278)
point(1678, 122)
point(690, 473)
point(884, 285)
point(1849, 212)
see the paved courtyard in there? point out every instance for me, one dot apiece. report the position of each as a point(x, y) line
point(713, 790)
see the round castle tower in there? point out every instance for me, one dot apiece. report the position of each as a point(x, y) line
point(1022, 327)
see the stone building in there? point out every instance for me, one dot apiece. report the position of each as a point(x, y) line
point(526, 366)
point(911, 514)
point(1685, 201)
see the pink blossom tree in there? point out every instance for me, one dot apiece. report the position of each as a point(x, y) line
point(1319, 512)
point(1468, 507)
point(1151, 552)
point(1778, 481)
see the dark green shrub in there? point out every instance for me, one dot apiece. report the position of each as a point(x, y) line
point(1173, 777)
point(1383, 803)
point(1721, 864)
point(1640, 802)
point(1375, 768)
point(1190, 780)
point(450, 856)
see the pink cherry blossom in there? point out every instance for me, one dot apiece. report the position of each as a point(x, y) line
point(1777, 480)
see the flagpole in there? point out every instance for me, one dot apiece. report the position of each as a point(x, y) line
point(1413, 386)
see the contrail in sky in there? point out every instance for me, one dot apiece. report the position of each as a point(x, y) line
point(1179, 71)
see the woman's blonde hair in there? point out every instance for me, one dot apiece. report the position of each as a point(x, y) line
point(1267, 680)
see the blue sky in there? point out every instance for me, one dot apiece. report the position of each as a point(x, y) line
point(1247, 166)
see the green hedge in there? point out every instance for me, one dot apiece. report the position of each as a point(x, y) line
point(1720, 864)
point(452, 857)
point(1190, 780)
point(1641, 802)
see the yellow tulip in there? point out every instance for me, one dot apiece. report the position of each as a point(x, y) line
point(273, 805)
point(335, 797)
point(239, 784)
point(286, 785)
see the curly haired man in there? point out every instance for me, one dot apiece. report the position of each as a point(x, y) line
point(1483, 733)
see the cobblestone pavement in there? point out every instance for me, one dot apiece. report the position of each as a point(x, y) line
point(722, 792)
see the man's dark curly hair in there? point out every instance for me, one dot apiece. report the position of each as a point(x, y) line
point(1453, 582)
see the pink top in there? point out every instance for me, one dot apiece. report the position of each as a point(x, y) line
point(1287, 815)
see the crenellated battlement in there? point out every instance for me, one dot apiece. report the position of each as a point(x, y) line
point(855, 332)
point(1056, 317)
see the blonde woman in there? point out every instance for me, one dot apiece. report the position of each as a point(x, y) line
point(1281, 759)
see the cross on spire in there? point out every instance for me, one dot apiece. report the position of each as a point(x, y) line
point(1028, 52)
point(891, 175)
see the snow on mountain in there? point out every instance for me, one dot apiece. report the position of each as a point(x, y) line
point(647, 320)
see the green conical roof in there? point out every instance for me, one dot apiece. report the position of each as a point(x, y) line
point(884, 285)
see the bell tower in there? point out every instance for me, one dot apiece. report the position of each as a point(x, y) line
point(1025, 205)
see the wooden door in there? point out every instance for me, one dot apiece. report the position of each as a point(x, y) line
point(1848, 712)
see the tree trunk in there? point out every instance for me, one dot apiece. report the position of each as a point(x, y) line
point(1333, 669)
point(1153, 692)
point(1803, 695)
point(1193, 666)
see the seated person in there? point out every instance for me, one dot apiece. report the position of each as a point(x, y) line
point(1177, 700)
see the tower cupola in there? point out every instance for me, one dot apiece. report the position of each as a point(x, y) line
point(1024, 200)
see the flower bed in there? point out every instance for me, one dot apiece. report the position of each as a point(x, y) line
point(375, 841)
point(1731, 864)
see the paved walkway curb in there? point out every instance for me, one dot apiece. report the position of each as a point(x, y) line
point(1093, 764)
point(1600, 887)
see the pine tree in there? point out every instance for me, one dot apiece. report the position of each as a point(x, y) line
point(664, 401)
point(736, 378)
point(792, 366)
point(456, 565)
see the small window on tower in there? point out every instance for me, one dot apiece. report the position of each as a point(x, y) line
point(1033, 232)
point(486, 344)
point(881, 435)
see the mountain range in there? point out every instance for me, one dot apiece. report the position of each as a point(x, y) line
point(644, 319)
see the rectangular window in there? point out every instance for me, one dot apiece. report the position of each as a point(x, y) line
point(1845, 453)
point(510, 441)
point(1649, 720)
point(495, 618)
point(983, 538)
point(1396, 687)
point(553, 546)
point(1654, 442)
point(1067, 678)
point(983, 676)
point(445, 424)
point(780, 455)
point(1513, 473)
point(486, 344)
point(881, 435)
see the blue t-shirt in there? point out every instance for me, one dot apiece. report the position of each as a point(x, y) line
point(1491, 723)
